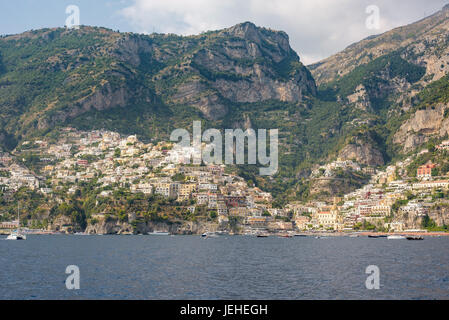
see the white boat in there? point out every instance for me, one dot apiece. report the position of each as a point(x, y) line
point(209, 235)
point(396, 237)
point(17, 235)
point(159, 233)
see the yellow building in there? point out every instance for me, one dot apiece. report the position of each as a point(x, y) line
point(49, 168)
point(186, 190)
point(239, 212)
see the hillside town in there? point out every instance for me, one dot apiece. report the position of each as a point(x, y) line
point(55, 169)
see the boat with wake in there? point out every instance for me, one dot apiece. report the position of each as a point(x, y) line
point(396, 237)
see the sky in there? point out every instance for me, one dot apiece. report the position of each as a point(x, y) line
point(317, 28)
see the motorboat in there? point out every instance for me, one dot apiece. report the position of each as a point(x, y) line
point(285, 236)
point(159, 233)
point(262, 235)
point(396, 237)
point(222, 233)
point(17, 235)
point(209, 235)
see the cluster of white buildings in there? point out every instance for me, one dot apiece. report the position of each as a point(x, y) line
point(117, 162)
point(329, 169)
point(374, 202)
point(14, 176)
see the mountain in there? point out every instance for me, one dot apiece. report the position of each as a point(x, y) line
point(424, 41)
point(388, 96)
point(149, 85)
point(388, 78)
point(54, 76)
point(376, 101)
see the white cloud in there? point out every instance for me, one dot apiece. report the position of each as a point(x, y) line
point(317, 28)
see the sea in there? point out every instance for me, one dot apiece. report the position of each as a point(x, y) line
point(226, 267)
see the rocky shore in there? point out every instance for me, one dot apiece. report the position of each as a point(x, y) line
point(176, 228)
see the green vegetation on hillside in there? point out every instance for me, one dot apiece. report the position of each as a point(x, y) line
point(91, 79)
point(434, 93)
point(373, 75)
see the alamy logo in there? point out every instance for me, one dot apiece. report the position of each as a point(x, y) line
point(73, 20)
point(373, 20)
point(73, 280)
point(373, 280)
point(207, 147)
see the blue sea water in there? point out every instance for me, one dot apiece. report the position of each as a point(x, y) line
point(239, 267)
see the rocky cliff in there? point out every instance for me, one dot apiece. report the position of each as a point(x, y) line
point(422, 125)
point(327, 188)
point(114, 226)
point(242, 64)
point(363, 153)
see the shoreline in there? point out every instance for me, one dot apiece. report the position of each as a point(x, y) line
point(274, 234)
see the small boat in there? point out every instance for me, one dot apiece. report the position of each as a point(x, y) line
point(396, 237)
point(301, 235)
point(17, 235)
point(159, 233)
point(415, 238)
point(262, 235)
point(209, 235)
point(375, 237)
point(285, 236)
point(354, 236)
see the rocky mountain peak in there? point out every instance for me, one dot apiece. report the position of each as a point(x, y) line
point(243, 30)
point(250, 32)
